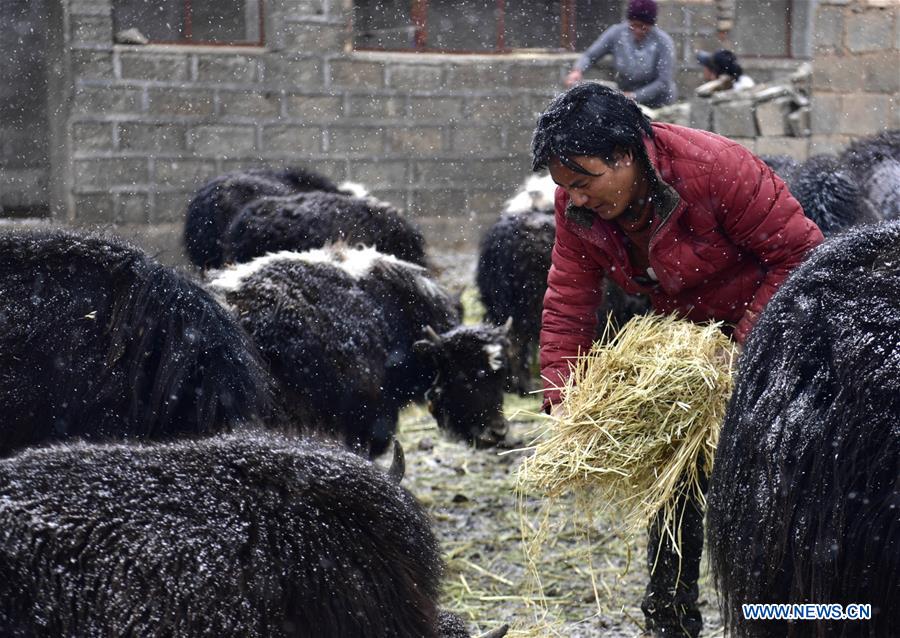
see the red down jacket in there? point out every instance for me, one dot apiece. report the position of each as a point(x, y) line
point(725, 236)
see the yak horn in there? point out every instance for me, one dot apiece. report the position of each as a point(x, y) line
point(432, 336)
point(508, 325)
point(398, 463)
point(499, 632)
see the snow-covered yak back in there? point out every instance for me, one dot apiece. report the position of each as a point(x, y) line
point(311, 220)
point(220, 200)
point(240, 536)
point(536, 194)
point(99, 341)
point(829, 194)
point(338, 328)
point(875, 161)
point(804, 501)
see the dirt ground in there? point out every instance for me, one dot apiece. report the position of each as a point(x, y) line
point(471, 497)
point(591, 584)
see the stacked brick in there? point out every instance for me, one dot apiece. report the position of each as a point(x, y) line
point(771, 118)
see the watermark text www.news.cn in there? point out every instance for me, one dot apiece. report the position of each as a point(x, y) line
point(807, 611)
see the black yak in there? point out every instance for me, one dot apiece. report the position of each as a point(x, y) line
point(513, 262)
point(311, 220)
point(512, 278)
point(99, 341)
point(875, 161)
point(338, 328)
point(240, 536)
point(220, 200)
point(829, 194)
point(804, 500)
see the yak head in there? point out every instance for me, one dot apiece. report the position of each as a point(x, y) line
point(466, 396)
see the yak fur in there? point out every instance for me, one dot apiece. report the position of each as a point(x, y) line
point(337, 327)
point(512, 278)
point(783, 165)
point(830, 195)
point(311, 220)
point(804, 500)
point(99, 341)
point(219, 201)
point(875, 161)
point(240, 536)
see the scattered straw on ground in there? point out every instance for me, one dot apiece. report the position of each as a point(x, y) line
point(489, 580)
point(470, 496)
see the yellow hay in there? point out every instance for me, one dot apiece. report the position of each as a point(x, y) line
point(641, 418)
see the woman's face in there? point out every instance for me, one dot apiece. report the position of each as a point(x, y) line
point(608, 192)
point(639, 30)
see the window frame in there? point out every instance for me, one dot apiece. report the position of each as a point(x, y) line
point(187, 12)
point(418, 15)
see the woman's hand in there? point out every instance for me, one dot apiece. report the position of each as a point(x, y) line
point(730, 353)
point(558, 410)
point(575, 76)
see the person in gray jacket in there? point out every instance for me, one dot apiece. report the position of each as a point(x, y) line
point(643, 56)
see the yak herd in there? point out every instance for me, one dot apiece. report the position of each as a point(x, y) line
point(192, 457)
point(191, 454)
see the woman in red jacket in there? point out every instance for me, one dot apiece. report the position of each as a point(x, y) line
point(692, 220)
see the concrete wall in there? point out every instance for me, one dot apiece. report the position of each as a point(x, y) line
point(445, 137)
point(856, 71)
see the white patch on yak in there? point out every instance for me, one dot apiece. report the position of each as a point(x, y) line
point(231, 278)
point(356, 262)
point(495, 356)
point(538, 193)
point(354, 189)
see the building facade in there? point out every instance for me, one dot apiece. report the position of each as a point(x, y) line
point(115, 132)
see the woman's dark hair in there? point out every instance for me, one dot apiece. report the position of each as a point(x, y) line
point(725, 63)
point(590, 119)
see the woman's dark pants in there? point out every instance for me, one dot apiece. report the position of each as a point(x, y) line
point(670, 602)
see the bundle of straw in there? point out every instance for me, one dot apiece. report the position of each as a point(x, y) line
point(641, 418)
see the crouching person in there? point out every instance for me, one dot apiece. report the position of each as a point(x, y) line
point(690, 219)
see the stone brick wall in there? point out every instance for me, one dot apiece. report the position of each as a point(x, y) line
point(24, 165)
point(445, 137)
point(856, 71)
point(854, 88)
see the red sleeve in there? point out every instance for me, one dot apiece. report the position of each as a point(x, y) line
point(574, 292)
point(759, 214)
